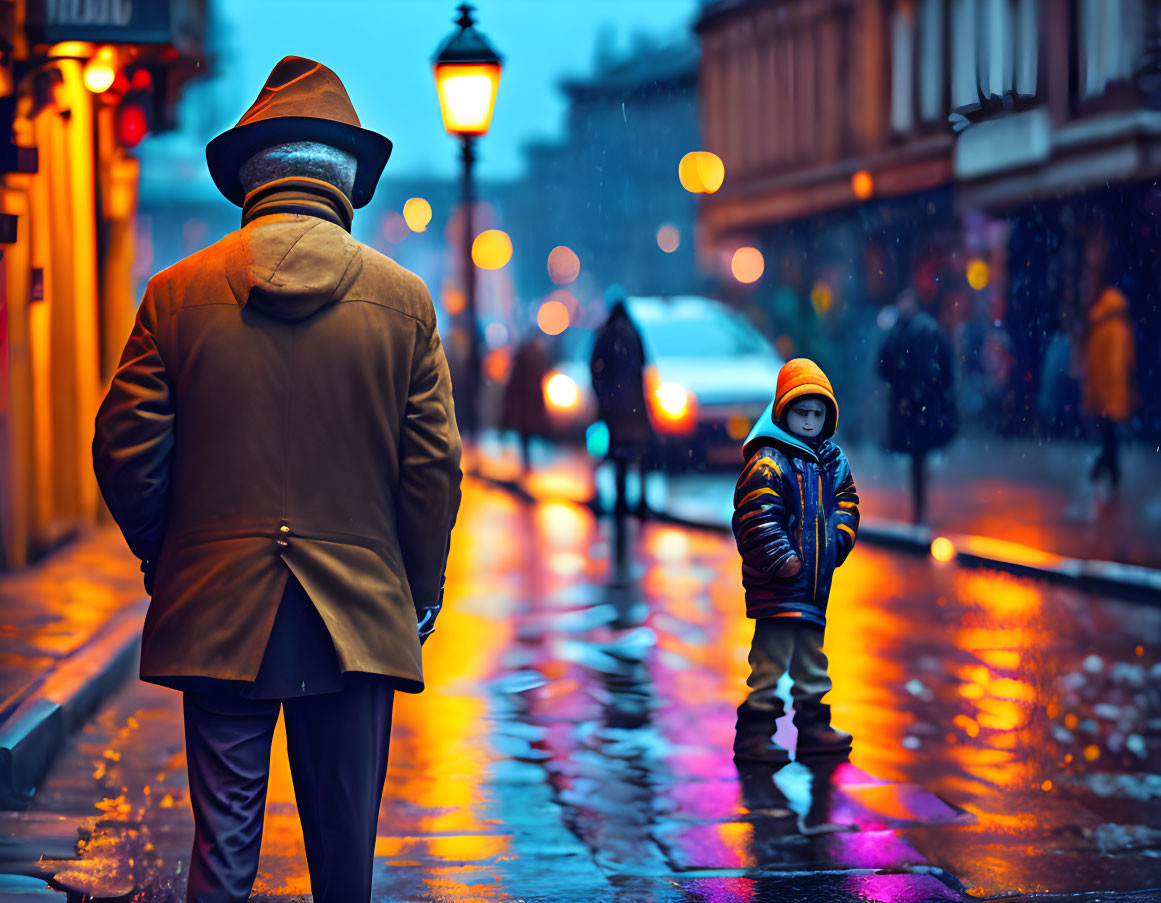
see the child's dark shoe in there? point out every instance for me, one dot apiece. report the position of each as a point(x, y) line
point(822, 740)
point(759, 748)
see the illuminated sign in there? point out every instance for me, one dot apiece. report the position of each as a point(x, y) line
point(112, 21)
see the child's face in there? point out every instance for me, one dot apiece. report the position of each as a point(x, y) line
point(806, 418)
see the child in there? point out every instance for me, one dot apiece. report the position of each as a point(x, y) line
point(796, 515)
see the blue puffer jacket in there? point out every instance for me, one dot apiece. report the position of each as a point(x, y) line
point(792, 502)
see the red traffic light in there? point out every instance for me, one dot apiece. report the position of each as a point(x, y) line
point(132, 123)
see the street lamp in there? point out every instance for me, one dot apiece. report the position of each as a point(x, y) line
point(467, 76)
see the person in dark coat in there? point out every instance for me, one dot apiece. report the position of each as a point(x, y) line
point(796, 519)
point(916, 361)
point(618, 374)
point(523, 409)
point(279, 448)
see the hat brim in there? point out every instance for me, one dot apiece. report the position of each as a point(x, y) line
point(226, 153)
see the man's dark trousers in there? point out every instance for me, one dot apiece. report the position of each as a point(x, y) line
point(337, 731)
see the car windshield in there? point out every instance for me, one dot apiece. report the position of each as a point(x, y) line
point(703, 337)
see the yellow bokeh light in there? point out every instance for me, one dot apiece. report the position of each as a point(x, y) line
point(668, 238)
point(563, 265)
point(747, 264)
point(101, 70)
point(943, 549)
point(821, 297)
point(862, 184)
point(1092, 752)
point(701, 172)
point(560, 391)
point(492, 249)
point(978, 274)
point(552, 318)
point(417, 214)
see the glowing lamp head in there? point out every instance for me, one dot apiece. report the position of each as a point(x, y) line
point(561, 392)
point(101, 70)
point(467, 77)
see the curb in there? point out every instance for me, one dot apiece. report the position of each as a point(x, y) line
point(1109, 578)
point(58, 704)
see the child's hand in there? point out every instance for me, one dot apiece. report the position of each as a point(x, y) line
point(791, 567)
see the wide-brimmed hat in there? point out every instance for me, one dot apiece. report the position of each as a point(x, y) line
point(301, 101)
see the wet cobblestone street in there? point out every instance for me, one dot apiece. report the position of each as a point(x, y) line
point(574, 740)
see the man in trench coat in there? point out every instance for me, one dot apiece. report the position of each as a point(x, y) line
point(279, 447)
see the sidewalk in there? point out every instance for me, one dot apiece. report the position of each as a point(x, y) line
point(70, 632)
point(1014, 505)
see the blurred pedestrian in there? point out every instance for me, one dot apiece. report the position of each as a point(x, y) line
point(916, 361)
point(1108, 390)
point(618, 373)
point(796, 518)
point(523, 407)
point(279, 447)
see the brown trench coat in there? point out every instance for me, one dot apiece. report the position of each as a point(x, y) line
point(283, 402)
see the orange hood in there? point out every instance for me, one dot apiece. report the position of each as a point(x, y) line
point(800, 377)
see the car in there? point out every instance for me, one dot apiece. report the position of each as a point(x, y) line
point(709, 375)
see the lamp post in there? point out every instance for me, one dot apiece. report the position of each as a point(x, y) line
point(467, 76)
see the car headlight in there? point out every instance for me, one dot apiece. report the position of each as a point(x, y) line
point(561, 393)
point(672, 407)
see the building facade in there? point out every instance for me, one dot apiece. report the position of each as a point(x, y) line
point(80, 85)
point(964, 148)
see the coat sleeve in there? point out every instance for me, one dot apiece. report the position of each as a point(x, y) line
point(760, 519)
point(429, 477)
point(845, 519)
point(133, 439)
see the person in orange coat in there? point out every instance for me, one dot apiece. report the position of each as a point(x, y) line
point(1111, 358)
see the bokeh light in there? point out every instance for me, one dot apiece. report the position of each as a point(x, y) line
point(561, 391)
point(821, 297)
point(668, 238)
point(747, 264)
point(496, 334)
point(454, 301)
point(552, 318)
point(563, 265)
point(978, 274)
point(394, 227)
point(492, 249)
point(496, 364)
point(701, 172)
point(101, 70)
point(942, 549)
point(862, 184)
point(568, 299)
point(417, 214)
point(597, 439)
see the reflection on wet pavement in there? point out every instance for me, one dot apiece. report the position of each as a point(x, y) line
point(574, 740)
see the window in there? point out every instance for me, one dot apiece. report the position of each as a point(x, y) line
point(931, 61)
point(1110, 39)
point(902, 69)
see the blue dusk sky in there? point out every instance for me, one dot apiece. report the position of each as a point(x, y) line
point(382, 49)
